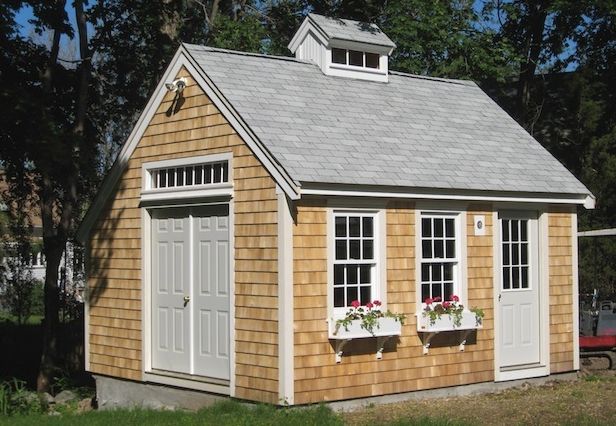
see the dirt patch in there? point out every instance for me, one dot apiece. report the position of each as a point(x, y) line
point(589, 400)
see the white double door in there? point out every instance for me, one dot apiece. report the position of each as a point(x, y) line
point(190, 290)
point(519, 292)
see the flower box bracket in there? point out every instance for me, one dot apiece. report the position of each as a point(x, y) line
point(469, 321)
point(430, 335)
point(341, 335)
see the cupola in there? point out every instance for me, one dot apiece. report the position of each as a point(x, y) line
point(343, 48)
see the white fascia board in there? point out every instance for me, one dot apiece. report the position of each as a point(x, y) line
point(523, 198)
point(181, 59)
point(303, 30)
point(598, 233)
point(575, 291)
point(359, 45)
point(127, 149)
point(288, 185)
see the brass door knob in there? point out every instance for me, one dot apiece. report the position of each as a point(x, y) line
point(186, 300)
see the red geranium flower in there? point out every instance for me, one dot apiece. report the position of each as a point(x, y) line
point(455, 298)
point(446, 305)
point(428, 301)
point(355, 304)
point(437, 299)
point(377, 303)
point(369, 305)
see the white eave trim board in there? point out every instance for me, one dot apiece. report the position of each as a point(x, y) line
point(182, 59)
point(127, 149)
point(437, 196)
point(261, 152)
point(598, 233)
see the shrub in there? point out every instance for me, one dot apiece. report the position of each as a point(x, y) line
point(15, 398)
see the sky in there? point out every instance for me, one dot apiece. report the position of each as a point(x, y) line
point(25, 14)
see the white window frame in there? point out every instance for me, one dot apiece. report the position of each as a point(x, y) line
point(222, 189)
point(363, 65)
point(378, 290)
point(460, 286)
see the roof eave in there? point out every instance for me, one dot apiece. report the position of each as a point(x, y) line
point(376, 191)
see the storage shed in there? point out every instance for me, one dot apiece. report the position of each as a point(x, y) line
point(259, 198)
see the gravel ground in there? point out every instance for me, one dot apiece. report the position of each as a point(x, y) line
point(589, 400)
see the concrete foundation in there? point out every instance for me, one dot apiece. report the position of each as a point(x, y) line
point(465, 390)
point(116, 393)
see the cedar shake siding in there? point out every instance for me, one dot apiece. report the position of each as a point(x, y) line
point(115, 278)
point(561, 290)
point(403, 367)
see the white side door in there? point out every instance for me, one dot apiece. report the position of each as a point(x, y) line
point(211, 307)
point(171, 251)
point(519, 291)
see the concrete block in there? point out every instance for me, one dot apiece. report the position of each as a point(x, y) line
point(116, 393)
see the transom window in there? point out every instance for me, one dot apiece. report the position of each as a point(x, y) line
point(354, 258)
point(515, 253)
point(190, 175)
point(355, 58)
point(439, 256)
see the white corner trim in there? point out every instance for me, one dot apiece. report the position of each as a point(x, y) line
point(286, 366)
point(576, 291)
point(182, 59)
point(544, 285)
point(86, 313)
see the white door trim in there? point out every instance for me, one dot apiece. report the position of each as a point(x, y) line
point(146, 299)
point(543, 369)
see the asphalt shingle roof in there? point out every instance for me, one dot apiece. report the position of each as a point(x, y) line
point(411, 132)
point(346, 29)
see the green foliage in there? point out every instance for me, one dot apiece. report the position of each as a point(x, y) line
point(225, 413)
point(245, 34)
point(368, 315)
point(16, 399)
point(443, 39)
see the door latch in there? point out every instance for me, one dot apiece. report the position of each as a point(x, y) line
point(499, 296)
point(186, 300)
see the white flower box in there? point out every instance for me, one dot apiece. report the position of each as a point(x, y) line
point(445, 323)
point(386, 327)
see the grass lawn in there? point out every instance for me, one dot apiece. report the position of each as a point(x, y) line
point(589, 400)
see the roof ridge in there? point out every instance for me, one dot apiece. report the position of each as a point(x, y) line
point(439, 79)
point(240, 53)
point(306, 62)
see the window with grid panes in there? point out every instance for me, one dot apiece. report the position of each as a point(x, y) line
point(354, 258)
point(439, 256)
point(515, 254)
point(192, 175)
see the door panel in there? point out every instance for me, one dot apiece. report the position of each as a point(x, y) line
point(519, 291)
point(170, 283)
point(190, 297)
point(211, 275)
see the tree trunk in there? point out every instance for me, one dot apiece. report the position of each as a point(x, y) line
point(54, 248)
point(537, 16)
